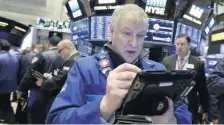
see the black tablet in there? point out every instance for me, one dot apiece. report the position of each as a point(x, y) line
point(147, 95)
point(37, 74)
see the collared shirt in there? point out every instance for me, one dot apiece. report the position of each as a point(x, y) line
point(185, 62)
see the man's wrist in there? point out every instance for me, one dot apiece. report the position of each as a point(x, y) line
point(105, 110)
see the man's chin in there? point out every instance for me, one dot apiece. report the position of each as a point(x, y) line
point(131, 61)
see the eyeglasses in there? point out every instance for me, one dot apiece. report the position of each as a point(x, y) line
point(59, 51)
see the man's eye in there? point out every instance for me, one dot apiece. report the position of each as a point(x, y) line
point(127, 33)
point(140, 36)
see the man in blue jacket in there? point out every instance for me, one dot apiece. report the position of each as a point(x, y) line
point(9, 65)
point(97, 85)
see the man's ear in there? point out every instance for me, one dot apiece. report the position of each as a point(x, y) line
point(111, 31)
point(189, 46)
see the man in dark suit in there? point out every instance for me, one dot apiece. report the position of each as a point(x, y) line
point(25, 59)
point(184, 61)
point(66, 49)
point(51, 86)
point(215, 85)
point(48, 61)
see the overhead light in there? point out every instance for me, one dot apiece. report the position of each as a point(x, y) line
point(3, 24)
point(21, 29)
point(106, 1)
point(217, 36)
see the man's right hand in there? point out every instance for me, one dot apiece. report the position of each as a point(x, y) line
point(118, 83)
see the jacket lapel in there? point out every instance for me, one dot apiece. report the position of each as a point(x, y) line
point(105, 65)
point(173, 62)
point(190, 60)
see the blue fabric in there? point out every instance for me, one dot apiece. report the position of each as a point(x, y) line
point(85, 81)
point(9, 65)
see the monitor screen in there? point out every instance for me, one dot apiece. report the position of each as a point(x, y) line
point(97, 50)
point(80, 30)
point(75, 8)
point(158, 8)
point(53, 25)
point(155, 7)
point(84, 48)
point(159, 31)
point(100, 27)
point(105, 7)
point(210, 25)
point(196, 14)
point(193, 33)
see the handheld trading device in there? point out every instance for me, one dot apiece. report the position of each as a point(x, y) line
point(148, 94)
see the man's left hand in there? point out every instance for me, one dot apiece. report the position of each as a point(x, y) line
point(205, 116)
point(39, 81)
point(166, 118)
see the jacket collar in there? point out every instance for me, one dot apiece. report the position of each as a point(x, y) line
point(53, 48)
point(73, 55)
point(105, 63)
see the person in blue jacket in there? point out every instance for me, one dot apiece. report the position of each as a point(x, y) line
point(96, 85)
point(9, 65)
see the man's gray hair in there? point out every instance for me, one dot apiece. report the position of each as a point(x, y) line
point(133, 10)
point(68, 43)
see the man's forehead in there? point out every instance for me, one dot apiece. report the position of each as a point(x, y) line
point(131, 24)
point(129, 18)
point(181, 40)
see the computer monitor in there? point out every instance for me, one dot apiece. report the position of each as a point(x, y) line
point(104, 7)
point(84, 48)
point(75, 9)
point(80, 30)
point(53, 25)
point(197, 14)
point(160, 31)
point(193, 33)
point(100, 27)
point(209, 26)
point(157, 8)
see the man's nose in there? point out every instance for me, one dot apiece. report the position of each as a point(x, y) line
point(133, 41)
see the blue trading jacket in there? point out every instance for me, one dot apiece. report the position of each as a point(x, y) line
point(79, 100)
point(9, 65)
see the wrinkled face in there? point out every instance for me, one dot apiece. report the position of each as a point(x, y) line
point(127, 38)
point(182, 46)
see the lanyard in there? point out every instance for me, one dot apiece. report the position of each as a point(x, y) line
point(182, 65)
